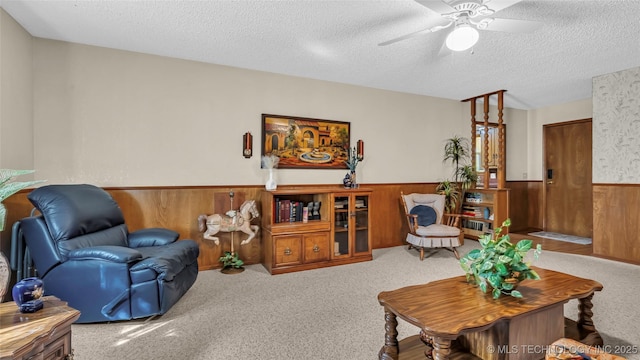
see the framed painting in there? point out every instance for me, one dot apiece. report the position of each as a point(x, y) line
point(305, 143)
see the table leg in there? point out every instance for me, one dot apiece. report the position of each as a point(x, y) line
point(585, 323)
point(390, 349)
point(441, 348)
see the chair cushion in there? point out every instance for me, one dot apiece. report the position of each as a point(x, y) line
point(438, 230)
point(168, 260)
point(76, 209)
point(426, 214)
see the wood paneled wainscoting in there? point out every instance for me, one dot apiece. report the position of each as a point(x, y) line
point(616, 222)
point(178, 208)
point(616, 215)
point(525, 205)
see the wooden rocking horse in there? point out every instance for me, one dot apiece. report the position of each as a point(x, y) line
point(233, 220)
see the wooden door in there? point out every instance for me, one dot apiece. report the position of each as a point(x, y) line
point(568, 201)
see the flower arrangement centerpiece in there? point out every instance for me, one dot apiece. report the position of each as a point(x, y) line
point(500, 264)
point(270, 162)
point(349, 180)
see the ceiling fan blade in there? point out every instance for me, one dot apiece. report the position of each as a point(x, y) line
point(512, 25)
point(416, 33)
point(497, 5)
point(436, 5)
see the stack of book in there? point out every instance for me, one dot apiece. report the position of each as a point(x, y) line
point(286, 210)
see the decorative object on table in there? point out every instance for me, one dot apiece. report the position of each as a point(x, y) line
point(27, 293)
point(270, 162)
point(349, 180)
point(232, 221)
point(247, 145)
point(500, 264)
point(305, 143)
point(457, 152)
point(9, 187)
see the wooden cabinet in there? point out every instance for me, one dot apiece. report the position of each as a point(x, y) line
point(309, 228)
point(45, 334)
point(351, 225)
point(483, 210)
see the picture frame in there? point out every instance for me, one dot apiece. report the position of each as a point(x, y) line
point(306, 143)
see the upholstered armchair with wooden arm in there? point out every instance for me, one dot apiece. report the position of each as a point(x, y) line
point(429, 226)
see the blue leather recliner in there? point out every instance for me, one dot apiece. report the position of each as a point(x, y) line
point(86, 256)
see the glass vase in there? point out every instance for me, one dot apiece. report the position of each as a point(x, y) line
point(271, 184)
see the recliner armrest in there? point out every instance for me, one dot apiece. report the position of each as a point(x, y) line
point(119, 254)
point(152, 237)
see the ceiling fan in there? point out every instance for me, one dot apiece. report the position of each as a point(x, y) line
point(467, 17)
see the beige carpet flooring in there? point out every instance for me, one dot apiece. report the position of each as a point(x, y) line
point(330, 313)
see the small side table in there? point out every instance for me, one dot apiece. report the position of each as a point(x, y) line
point(44, 334)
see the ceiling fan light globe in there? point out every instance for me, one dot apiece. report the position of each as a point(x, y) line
point(462, 38)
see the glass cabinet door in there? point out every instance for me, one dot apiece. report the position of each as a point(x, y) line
point(361, 224)
point(351, 225)
point(341, 226)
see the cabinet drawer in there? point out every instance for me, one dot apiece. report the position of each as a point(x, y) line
point(59, 349)
point(316, 247)
point(287, 250)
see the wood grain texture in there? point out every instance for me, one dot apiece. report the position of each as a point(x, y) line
point(467, 319)
point(22, 334)
point(518, 205)
point(568, 195)
point(178, 208)
point(467, 308)
point(616, 222)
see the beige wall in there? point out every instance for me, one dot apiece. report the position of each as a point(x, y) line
point(576, 110)
point(16, 102)
point(117, 118)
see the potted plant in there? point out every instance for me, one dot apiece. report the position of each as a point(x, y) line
point(9, 187)
point(457, 152)
point(500, 264)
point(231, 263)
point(451, 195)
point(349, 180)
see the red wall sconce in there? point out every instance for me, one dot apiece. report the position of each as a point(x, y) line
point(247, 145)
point(360, 150)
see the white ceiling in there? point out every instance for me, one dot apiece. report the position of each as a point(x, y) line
point(338, 41)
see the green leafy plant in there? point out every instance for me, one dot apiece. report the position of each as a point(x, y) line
point(457, 152)
point(9, 187)
point(500, 264)
point(451, 195)
point(352, 161)
point(231, 260)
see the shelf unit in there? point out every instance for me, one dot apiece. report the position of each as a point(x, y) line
point(338, 234)
point(483, 210)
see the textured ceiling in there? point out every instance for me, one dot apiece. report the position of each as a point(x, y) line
point(338, 41)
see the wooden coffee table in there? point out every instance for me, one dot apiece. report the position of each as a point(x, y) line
point(44, 334)
point(460, 321)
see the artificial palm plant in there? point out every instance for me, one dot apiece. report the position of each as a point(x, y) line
point(9, 187)
point(457, 152)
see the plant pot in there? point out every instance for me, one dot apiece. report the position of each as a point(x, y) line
point(232, 270)
point(513, 281)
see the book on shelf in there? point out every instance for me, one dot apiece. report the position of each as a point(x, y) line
point(473, 197)
point(287, 210)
